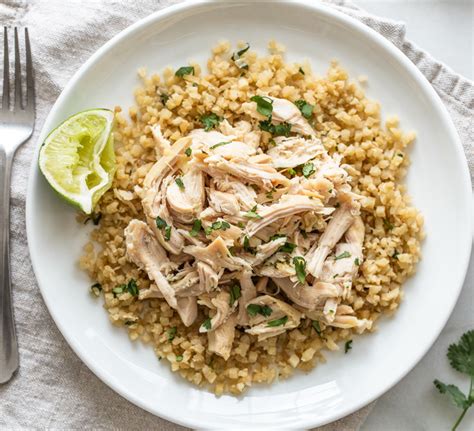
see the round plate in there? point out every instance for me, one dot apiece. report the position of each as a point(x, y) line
point(438, 181)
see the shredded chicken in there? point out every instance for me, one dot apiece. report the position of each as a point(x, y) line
point(249, 237)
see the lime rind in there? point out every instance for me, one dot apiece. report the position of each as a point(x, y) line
point(77, 158)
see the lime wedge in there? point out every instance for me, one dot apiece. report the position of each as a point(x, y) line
point(77, 158)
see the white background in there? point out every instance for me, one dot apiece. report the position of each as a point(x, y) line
point(445, 29)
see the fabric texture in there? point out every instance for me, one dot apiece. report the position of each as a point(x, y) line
point(53, 389)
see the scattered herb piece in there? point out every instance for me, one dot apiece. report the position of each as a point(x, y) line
point(395, 254)
point(343, 255)
point(185, 70)
point(241, 224)
point(210, 121)
point(164, 98)
point(208, 230)
point(300, 268)
point(272, 143)
point(234, 294)
point(316, 327)
point(291, 172)
point(253, 213)
point(167, 233)
point(129, 322)
point(303, 233)
point(282, 129)
point(400, 155)
point(308, 169)
point(347, 346)
point(387, 224)
point(305, 108)
point(172, 333)
point(247, 246)
point(277, 236)
point(219, 145)
point(254, 309)
point(241, 52)
point(188, 151)
point(278, 322)
point(269, 195)
point(197, 225)
point(461, 358)
point(96, 288)
point(221, 224)
point(207, 324)
point(357, 261)
point(179, 182)
point(300, 70)
point(264, 105)
point(288, 247)
point(160, 223)
point(179, 358)
point(132, 287)
point(118, 290)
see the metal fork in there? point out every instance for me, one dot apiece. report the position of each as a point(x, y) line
point(16, 126)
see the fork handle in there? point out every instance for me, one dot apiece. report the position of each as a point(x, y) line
point(8, 342)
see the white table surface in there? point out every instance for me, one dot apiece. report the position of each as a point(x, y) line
point(444, 28)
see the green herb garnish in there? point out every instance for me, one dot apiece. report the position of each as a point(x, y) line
point(247, 246)
point(357, 261)
point(219, 145)
point(179, 182)
point(300, 268)
point(308, 169)
point(387, 224)
point(210, 121)
point(347, 346)
point(118, 290)
point(164, 98)
point(282, 129)
point(395, 254)
point(461, 358)
point(278, 322)
point(238, 54)
point(277, 236)
point(172, 333)
point(221, 224)
point(300, 70)
point(343, 255)
point(131, 287)
point(288, 247)
point(207, 324)
point(197, 225)
point(317, 328)
point(254, 309)
point(160, 223)
point(253, 213)
point(179, 358)
point(188, 151)
point(264, 105)
point(185, 70)
point(167, 233)
point(234, 294)
point(291, 172)
point(305, 108)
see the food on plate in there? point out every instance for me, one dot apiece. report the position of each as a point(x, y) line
point(78, 160)
point(256, 218)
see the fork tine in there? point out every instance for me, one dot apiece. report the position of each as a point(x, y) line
point(18, 103)
point(6, 72)
point(30, 83)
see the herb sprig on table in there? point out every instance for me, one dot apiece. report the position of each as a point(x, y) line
point(461, 358)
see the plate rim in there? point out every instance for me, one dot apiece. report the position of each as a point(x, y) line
point(321, 9)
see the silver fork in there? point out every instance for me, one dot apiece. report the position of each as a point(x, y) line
point(16, 126)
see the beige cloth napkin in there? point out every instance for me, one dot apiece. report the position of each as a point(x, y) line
point(53, 388)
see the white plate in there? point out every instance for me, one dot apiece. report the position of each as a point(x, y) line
point(438, 181)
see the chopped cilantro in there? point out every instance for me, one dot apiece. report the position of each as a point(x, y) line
point(219, 145)
point(264, 105)
point(347, 346)
point(185, 70)
point(253, 213)
point(343, 255)
point(179, 182)
point(197, 225)
point(210, 121)
point(300, 268)
point(308, 169)
point(305, 108)
point(278, 322)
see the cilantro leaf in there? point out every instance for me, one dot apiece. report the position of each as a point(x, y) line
point(180, 183)
point(282, 129)
point(188, 151)
point(238, 54)
point(305, 108)
point(254, 309)
point(185, 70)
point(207, 324)
point(461, 355)
point(219, 145)
point(234, 294)
point(264, 105)
point(316, 327)
point(210, 121)
point(160, 223)
point(253, 213)
point(300, 268)
point(343, 255)
point(197, 225)
point(347, 346)
point(278, 322)
point(172, 333)
point(308, 169)
point(455, 395)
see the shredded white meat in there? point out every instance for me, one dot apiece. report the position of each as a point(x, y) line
point(249, 236)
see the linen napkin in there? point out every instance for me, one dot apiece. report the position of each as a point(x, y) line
point(53, 388)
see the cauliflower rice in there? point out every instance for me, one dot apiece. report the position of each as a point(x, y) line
point(346, 122)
